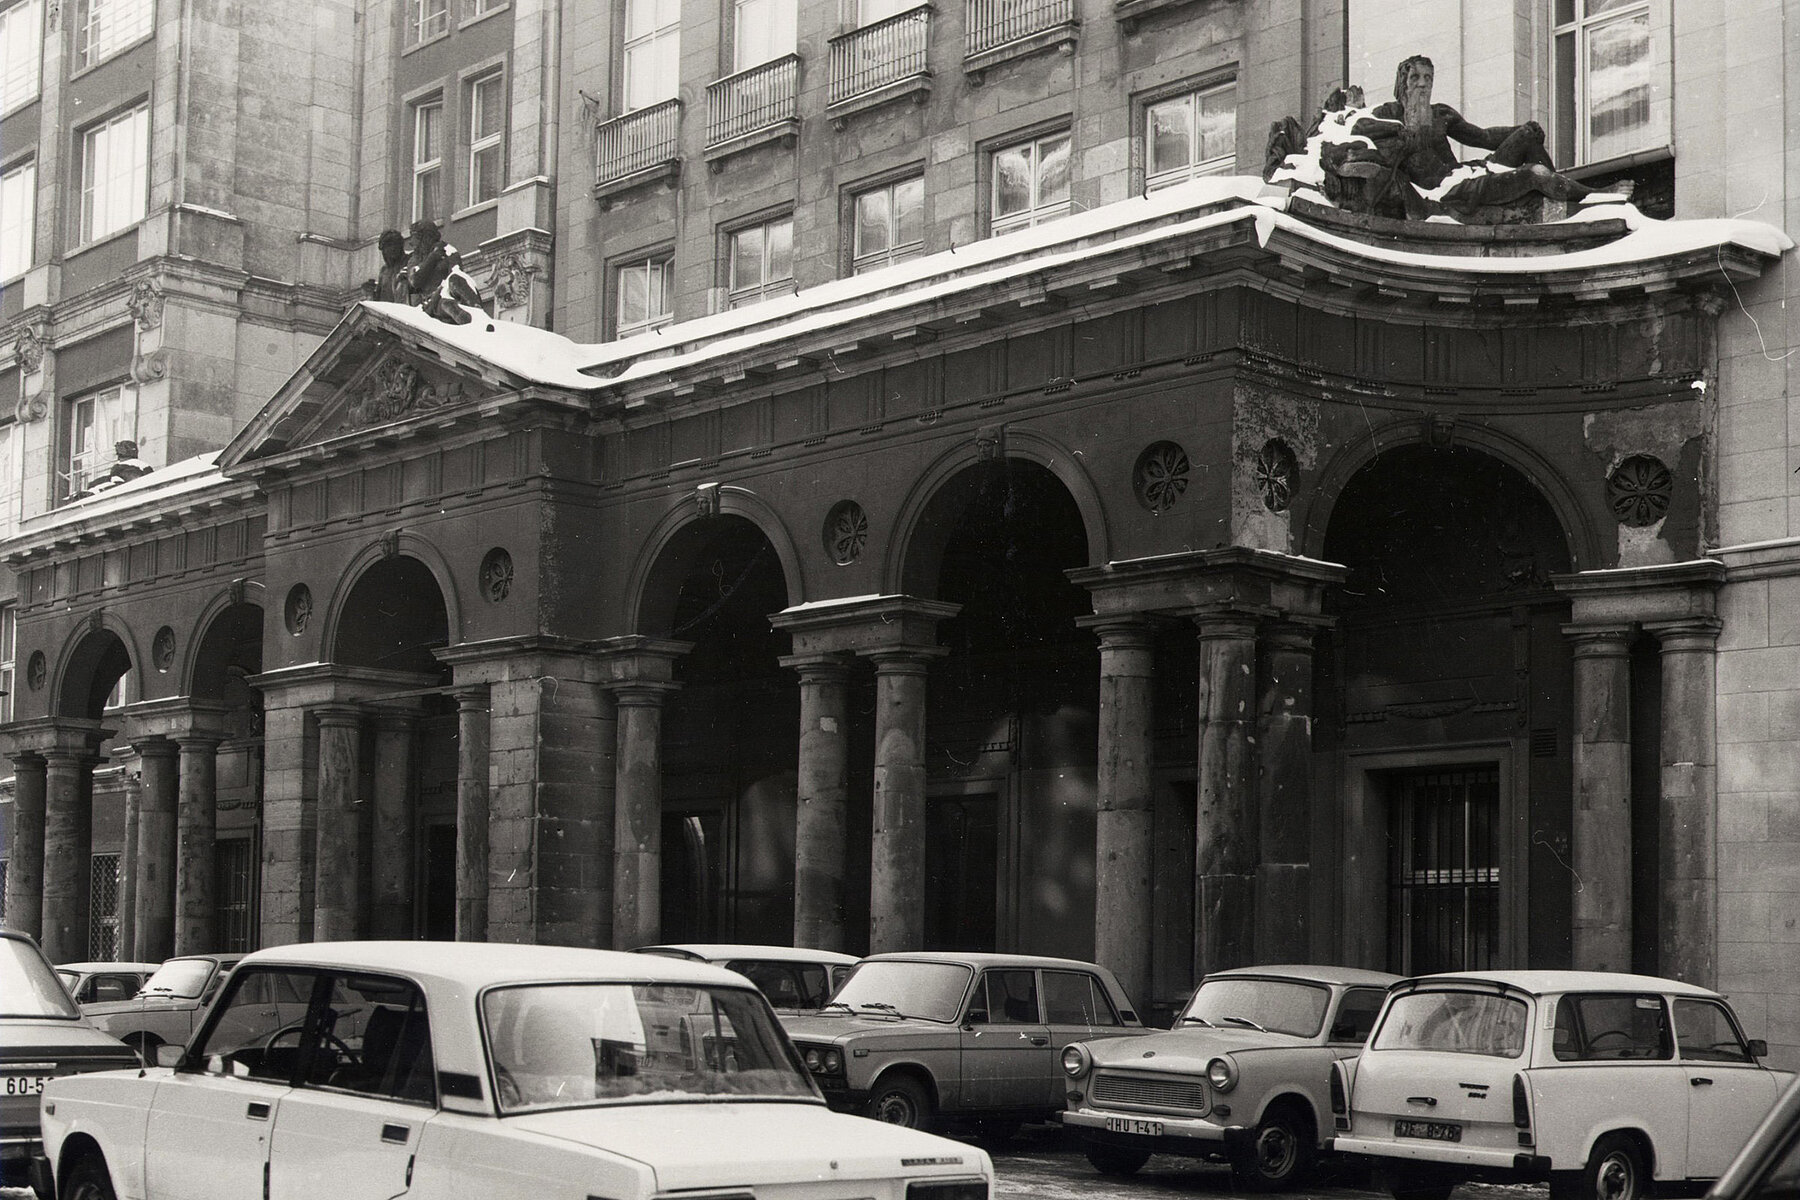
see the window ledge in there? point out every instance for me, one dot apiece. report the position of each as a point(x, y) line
point(104, 239)
point(470, 211)
point(78, 72)
point(476, 20)
point(668, 172)
point(787, 131)
point(1130, 13)
point(1622, 162)
point(918, 87)
point(1061, 37)
point(433, 40)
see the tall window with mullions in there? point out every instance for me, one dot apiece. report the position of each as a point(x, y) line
point(234, 886)
point(1444, 873)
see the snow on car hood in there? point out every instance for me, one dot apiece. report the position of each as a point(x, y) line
point(1189, 1046)
point(755, 1144)
point(833, 1028)
point(106, 1008)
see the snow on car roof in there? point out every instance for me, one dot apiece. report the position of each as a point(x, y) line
point(1311, 972)
point(1540, 983)
point(96, 967)
point(976, 958)
point(717, 951)
point(484, 964)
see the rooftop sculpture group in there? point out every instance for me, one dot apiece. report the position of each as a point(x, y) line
point(424, 270)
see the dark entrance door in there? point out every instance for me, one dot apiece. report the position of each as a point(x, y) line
point(693, 862)
point(962, 855)
point(1444, 872)
point(437, 887)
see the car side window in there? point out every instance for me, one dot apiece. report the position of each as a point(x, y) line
point(109, 987)
point(1356, 1014)
point(256, 1032)
point(1012, 997)
point(1076, 998)
point(775, 980)
point(815, 985)
point(1608, 1028)
point(376, 1040)
point(1706, 1033)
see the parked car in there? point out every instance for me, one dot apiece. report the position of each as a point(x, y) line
point(450, 1070)
point(913, 1039)
point(95, 982)
point(794, 980)
point(1768, 1167)
point(168, 1007)
point(1604, 1084)
point(42, 1036)
point(1241, 1077)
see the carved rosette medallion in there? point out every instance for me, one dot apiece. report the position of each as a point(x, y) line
point(1639, 490)
point(496, 575)
point(36, 671)
point(162, 649)
point(297, 612)
point(1161, 475)
point(1276, 470)
point(846, 532)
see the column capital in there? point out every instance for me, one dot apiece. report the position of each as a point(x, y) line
point(1124, 630)
point(1686, 634)
point(635, 657)
point(642, 693)
point(1294, 633)
point(863, 623)
point(1230, 622)
point(828, 667)
point(156, 745)
point(1599, 641)
point(338, 715)
point(470, 696)
point(395, 720)
point(904, 660)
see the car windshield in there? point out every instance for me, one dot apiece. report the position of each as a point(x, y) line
point(1269, 1005)
point(580, 1044)
point(28, 987)
point(184, 977)
point(1454, 1022)
point(930, 990)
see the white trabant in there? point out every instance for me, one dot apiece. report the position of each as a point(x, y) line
point(1604, 1084)
point(370, 1070)
point(1241, 1077)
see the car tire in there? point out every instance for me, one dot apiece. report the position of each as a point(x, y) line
point(86, 1179)
point(1117, 1161)
point(899, 1100)
point(1281, 1154)
point(1616, 1170)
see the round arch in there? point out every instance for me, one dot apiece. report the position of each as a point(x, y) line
point(408, 545)
point(188, 652)
point(100, 648)
point(912, 562)
point(1315, 518)
point(646, 570)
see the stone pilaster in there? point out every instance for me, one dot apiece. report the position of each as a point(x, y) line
point(196, 835)
point(472, 769)
point(642, 681)
point(821, 800)
point(393, 809)
point(68, 846)
point(1600, 850)
point(156, 849)
point(128, 868)
point(1690, 811)
point(1226, 824)
point(25, 861)
point(1284, 794)
point(342, 855)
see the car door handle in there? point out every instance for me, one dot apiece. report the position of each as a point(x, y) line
point(1699, 1081)
point(258, 1111)
point(395, 1135)
point(1427, 1101)
point(1040, 1041)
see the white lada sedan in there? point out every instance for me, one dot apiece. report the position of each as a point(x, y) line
point(371, 1070)
point(1604, 1084)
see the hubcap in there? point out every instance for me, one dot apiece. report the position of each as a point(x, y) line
point(895, 1109)
point(1275, 1151)
point(1615, 1181)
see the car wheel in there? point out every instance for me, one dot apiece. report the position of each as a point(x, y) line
point(900, 1100)
point(1614, 1171)
point(86, 1179)
point(1117, 1161)
point(1280, 1154)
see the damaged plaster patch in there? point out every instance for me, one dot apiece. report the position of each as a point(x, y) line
point(1674, 433)
point(1259, 415)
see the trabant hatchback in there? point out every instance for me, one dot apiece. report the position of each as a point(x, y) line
point(431, 1070)
point(1241, 1077)
point(795, 979)
point(1603, 1084)
point(97, 982)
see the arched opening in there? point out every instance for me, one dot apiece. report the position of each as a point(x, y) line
point(95, 677)
point(729, 736)
point(1444, 693)
point(229, 654)
point(393, 618)
point(1012, 715)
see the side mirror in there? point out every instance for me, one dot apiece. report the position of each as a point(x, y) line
point(1758, 1048)
point(169, 1056)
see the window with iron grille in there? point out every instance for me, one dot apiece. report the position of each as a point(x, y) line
point(21, 54)
point(652, 52)
point(115, 174)
point(762, 261)
point(18, 218)
point(1444, 872)
point(104, 27)
point(890, 224)
point(1030, 182)
point(1611, 93)
point(428, 160)
point(426, 19)
point(234, 885)
point(644, 294)
point(1189, 135)
point(103, 908)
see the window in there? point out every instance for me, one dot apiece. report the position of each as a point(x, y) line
point(889, 225)
point(1443, 856)
point(1606, 1028)
point(381, 1022)
point(1030, 183)
point(256, 1031)
point(21, 53)
point(652, 51)
point(1011, 997)
point(9, 634)
point(646, 289)
point(18, 214)
point(115, 175)
point(428, 160)
point(1189, 135)
point(870, 11)
point(1611, 94)
point(1454, 1022)
point(104, 27)
point(1706, 1033)
point(762, 261)
point(1356, 1015)
point(103, 907)
point(481, 8)
point(426, 19)
point(1071, 998)
point(233, 885)
point(95, 423)
point(765, 31)
point(487, 130)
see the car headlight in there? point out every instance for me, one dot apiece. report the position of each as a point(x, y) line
point(1222, 1074)
point(1076, 1060)
point(823, 1060)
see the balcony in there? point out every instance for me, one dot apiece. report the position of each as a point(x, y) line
point(752, 107)
point(1000, 30)
point(880, 63)
point(637, 148)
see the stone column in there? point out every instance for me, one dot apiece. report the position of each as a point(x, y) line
point(1600, 854)
point(25, 862)
point(1123, 844)
point(197, 824)
point(128, 872)
point(637, 834)
point(1226, 825)
point(342, 857)
point(68, 846)
point(1284, 795)
point(821, 798)
point(472, 813)
point(156, 856)
point(391, 850)
point(897, 837)
point(1690, 811)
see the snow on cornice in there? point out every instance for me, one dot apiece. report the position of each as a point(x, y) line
point(179, 486)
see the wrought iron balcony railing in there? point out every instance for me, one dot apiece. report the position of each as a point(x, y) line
point(875, 56)
point(637, 141)
point(764, 95)
point(993, 23)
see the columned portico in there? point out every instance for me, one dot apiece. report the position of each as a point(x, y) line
point(1225, 854)
point(342, 853)
point(1284, 793)
point(1601, 826)
point(197, 826)
point(821, 800)
point(897, 838)
point(157, 848)
point(642, 681)
point(69, 760)
point(472, 749)
point(393, 810)
point(1689, 826)
point(25, 861)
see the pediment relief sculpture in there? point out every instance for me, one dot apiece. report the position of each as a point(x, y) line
point(397, 389)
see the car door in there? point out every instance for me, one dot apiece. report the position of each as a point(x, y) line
point(352, 1127)
point(209, 1125)
point(1006, 1054)
point(1728, 1091)
point(1077, 1009)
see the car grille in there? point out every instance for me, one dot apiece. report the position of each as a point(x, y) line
point(1164, 1093)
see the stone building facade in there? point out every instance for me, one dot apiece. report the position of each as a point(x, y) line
point(1155, 568)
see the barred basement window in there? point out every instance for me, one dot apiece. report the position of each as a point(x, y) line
point(233, 885)
point(103, 908)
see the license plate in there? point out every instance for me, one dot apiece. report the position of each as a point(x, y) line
point(1434, 1131)
point(23, 1085)
point(1133, 1125)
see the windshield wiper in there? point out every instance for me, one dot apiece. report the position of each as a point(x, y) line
point(1195, 1021)
point(836, 1004)
point(878, 1006)
point(1246, 1022)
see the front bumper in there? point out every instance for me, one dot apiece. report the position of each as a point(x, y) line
point(1194, 1136)
point(1490, 1163)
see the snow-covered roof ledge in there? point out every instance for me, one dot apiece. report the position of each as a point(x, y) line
point(166, 495)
